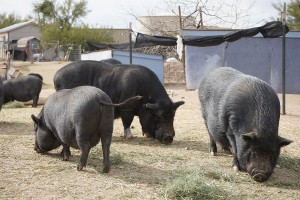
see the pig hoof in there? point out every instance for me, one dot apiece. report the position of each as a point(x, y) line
point(227, 150)
point(128, 136)
point(38, 150)
point(65, 158)
point(106, 169)
point(148, 135)
point(79, 167)
point(213, 153)
point(235, 168)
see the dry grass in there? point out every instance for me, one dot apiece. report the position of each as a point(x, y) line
point(142, 168)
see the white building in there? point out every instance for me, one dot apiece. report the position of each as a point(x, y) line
point(163, 25)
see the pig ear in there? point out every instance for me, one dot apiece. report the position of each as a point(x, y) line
point(178, 103)
point(249, 136)
point(35, 119)
point(283, 141)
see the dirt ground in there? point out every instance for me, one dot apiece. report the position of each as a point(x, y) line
point(141, 166)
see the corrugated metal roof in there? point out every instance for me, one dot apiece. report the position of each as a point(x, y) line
point(15, 26)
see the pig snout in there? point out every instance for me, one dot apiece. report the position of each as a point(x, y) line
point(38, 150)
point(164, 136)
point(260, 175)
point(167, 139)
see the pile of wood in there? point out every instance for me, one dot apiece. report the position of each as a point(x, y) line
point(173, 68)
point(173, 71)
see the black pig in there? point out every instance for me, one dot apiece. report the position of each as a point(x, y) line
point(23, 89)
point(156, 111)
point(242, 112)
point(77, 118)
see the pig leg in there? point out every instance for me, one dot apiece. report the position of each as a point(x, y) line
point(127, 118)
point(85, 150)
point(65, 153)
point(226, 149)
point(235, 162)
point(146, 123)
point(225, 144)
point(212, 146)
point(35, 101)
point(105, 141)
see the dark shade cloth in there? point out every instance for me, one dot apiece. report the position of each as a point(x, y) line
point(269, 30)
point(95, 46)
point(273, 29)
point(204, 41)
point(144, 40)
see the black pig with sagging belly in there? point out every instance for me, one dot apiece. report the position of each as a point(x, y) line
point(242, 113)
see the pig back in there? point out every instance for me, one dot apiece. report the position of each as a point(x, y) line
point(250, 104)
point(70, 112)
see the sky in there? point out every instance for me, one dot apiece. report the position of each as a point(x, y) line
point(114, 13)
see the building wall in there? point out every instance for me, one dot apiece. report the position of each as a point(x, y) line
point(120, 36)
point(153, 25)
point(3, 37)
point(29, 30)
point(97, 55)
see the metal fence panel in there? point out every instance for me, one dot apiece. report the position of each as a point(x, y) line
point(153, 62)
point(255, 56)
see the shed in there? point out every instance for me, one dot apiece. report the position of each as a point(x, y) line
point(11, 34)
point(28, 45)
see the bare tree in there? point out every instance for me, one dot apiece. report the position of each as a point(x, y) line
point(221, 13)
point(198, 14)
point(195, 14)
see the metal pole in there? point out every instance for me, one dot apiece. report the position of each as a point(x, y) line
point(130, 44)
point(180, 20)
point(283, 58)
point(7, 66)
point(201, 17)
point(183, 49)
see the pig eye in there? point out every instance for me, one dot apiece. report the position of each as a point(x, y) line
point(160, 117)
point(270, 158)
point(254, 154)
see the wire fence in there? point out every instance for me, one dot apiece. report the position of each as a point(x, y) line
point(59, 52)
point(3, 50)
point(40, 52)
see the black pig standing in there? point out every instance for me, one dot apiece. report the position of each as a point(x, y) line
point(77, 118)
point(23, 89)
point(242, 112)
point(156, 111)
